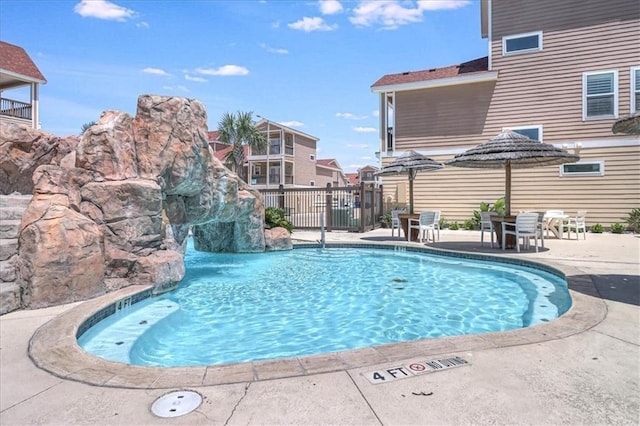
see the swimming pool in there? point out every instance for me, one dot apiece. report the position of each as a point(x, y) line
point(246, 307)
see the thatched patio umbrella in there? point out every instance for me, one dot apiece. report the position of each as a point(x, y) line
point(411, 162)
point(629, 125)
point(511, 150)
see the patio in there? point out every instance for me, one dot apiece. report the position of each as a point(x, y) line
point(591, 376)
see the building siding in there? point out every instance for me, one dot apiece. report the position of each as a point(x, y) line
point(538, 88)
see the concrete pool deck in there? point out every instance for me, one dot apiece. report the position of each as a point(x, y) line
point(581, 369)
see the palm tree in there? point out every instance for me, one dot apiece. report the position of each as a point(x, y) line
point(86, 126)
point(238, 130)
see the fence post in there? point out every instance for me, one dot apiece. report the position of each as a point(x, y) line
point(363, 209)
point(281, 197)
point(328, 208)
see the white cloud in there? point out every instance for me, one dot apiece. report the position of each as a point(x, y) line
point(103, 9)
point(142, 24)
point(375, 113)
point(357, 145)
point(365, 129)
point(355, 167)
point(180, 88)
point(292, 123)
point(312, 24)
point(273, 49)
point(330, 7)
point(196, 79)
point(275, 24)
point(350, 116)
point(391, 14)
point(366, 158)
point(155, 71)
point(224, 70)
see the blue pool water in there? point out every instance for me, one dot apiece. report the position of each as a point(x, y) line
point(244, 307)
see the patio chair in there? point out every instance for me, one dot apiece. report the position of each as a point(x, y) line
point(578, 222)
point(526, 226)
point(486, 225)
point(395, 222)
point(436, 224)
point(425, 224)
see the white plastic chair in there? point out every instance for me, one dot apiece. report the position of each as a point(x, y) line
point(436, 224)
point(526, 226)
point(578, 222)
point(486, 225)
point(425, 224)
point(395, 222)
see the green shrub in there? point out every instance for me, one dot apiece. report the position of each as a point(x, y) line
point(618, 228)
point(385, 219)
point(443, 223)
point(634, 220)
point(497, 207)
point(454, 226)
point(468, 224)
point(274, 217)
point(597, 228)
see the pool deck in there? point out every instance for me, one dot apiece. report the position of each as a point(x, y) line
point(583, 368)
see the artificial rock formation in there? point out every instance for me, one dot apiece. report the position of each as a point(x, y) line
point(117, 208)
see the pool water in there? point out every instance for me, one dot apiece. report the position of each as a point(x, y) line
point(246, 307)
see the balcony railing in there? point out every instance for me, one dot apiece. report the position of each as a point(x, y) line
point(273, 180)
point(16, 109)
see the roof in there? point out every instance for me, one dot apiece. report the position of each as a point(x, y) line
point(15, 60)
point(222, 154)
point(330, 163)
point(213, 135)
point(475, 67)
point(266, 123)
point(353, 178)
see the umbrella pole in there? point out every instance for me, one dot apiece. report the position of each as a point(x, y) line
point(507, 188)
point(412, 175)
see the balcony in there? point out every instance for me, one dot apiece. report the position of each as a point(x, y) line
point(273, 180)
point(15, 109)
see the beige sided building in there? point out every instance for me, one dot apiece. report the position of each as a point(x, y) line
point(561, 72)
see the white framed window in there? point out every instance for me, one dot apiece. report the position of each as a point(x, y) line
point(635, 89)
point(312, 183)
point(582, 168)
point(522, 43)
point(600, 95)
point(257, 171)
point(532, 132)
point(312, 157)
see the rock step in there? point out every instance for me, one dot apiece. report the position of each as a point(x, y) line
point(9, 297)
point(11, 213)
point(15, 201)
point(9, 228)
point(8, 247)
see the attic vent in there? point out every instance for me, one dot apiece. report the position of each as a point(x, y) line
point(432, 70)
point(405, 73)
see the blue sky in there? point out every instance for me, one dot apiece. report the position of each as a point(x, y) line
point(306, 64)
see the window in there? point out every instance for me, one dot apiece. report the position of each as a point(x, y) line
point(312, 157)
point(312, 183)
point(600, 94)
point(594, 168)
point(256, 170)
point(635, 89)
point(522, 43)
point(532, 132)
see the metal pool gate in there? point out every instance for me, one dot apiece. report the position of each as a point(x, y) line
point(349, 208)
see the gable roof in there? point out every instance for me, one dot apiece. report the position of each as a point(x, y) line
point(213, 135)
point(470, 71)
point(329, 163)
point(353, 178)
point(15, 62)
point(222, 154)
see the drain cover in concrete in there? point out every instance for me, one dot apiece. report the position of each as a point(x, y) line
point(176, 404)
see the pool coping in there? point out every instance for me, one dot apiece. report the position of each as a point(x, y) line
point(54, 347)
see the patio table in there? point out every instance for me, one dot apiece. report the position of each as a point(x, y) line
point(404, 222)
point(554, 222)
point(510, 242)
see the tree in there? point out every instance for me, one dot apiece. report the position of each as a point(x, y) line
point(86, 127)
point(238, 130)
